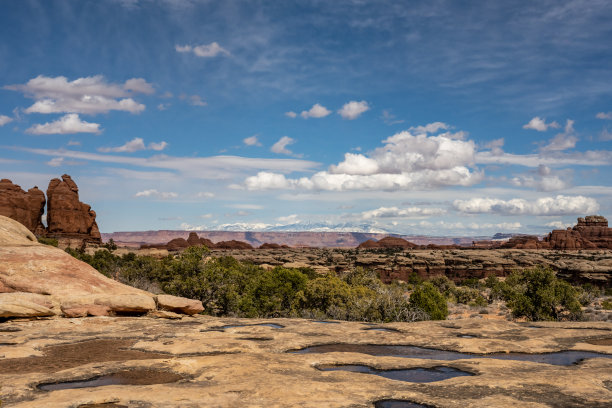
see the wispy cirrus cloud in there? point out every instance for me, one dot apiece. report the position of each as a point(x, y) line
point(204, 51)
point(211, 167)
point(134, 145)
point(153, 193)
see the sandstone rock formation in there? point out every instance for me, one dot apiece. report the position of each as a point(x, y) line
point(36, 279)
point(387, 242)
point(67, 217)
point(591, 232)
point(178, 244)
point(27, 208)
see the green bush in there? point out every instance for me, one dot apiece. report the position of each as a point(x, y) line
point(48, 241)
point(606, 304)
point(228, 287)
point(537, 294)
point(427, 298)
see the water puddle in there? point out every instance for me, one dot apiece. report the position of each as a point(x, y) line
point(232, 326)
point(467, 336)
point(557, 358)
point(326, 322)
point(127, 377)
point(415, 375)
point(392, 403)
point(256, 338)
point(383, 329)
point(601, 342)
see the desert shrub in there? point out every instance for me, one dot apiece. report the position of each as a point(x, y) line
point(587, 293)
point(110, 245)
point(606, 304)
point(48, 241)
point(471, 283)
point(429, 299)
point(491, 281)
point(445, 286)
point(228, 287)
point(537, 294)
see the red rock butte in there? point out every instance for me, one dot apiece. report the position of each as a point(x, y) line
point(69, 220)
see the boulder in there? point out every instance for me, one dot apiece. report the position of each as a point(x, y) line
point(179, 304)
point(41, 280)
point(67, 216)
point(24, 305)
point(25, 207)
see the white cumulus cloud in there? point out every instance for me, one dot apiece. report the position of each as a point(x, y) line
point(559, 205)
point(539, 124)
point(353, 109)
point(544, 179)
point(205, 50)
point(156, 194)
point(317, 111)
point(559, 225)
point(404, 162)
point(67, 124)
point(88, 95)
point(251, 141)
point(4, 120)
point(281, 146)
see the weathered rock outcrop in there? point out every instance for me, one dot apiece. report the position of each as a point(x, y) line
point(233, 244)
point(25, 207)
point(387, 242)
point(67, 216)
point(591, 232)
point(36, 279)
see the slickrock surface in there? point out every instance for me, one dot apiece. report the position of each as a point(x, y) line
point(27, 208)
point(249, 365)
point(45, 280)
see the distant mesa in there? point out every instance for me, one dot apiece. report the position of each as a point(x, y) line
point(193, 240)
point(388, 242)
point(70, 221)
point(395, 242)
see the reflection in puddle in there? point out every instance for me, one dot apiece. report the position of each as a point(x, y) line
point(416, 375)
point(467, 336)
point(383, 329)
point(399, 404)
point(127, 377)
point(273, 325)
point(557, 358)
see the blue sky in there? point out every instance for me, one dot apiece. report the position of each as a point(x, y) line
point(432, 117)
